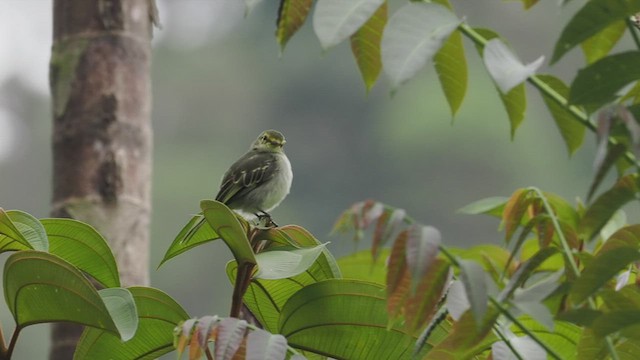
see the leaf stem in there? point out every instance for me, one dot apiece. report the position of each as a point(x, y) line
point(578, 114)
point(570, 259)
point(12, 343)
point(507, 342)
point(524, 329)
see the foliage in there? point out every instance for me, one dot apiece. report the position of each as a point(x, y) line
point(563, 284)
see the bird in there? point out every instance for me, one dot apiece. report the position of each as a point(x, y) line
point(258, 181)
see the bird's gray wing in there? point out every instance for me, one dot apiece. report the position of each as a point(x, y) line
point(245, 175)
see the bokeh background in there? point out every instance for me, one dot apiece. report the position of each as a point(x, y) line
point(219, 80)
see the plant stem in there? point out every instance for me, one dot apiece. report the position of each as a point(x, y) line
point(569, 255)
point(13, 341)
point(524, 329)
point(507, 342)
point(577, 113)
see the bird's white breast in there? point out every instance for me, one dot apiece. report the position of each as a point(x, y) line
point(278, 189)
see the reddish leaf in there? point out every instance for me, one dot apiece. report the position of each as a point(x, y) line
point(231, 334)
point(398, 277)
point(422, 248)
point(514, 210)
point(422, 306)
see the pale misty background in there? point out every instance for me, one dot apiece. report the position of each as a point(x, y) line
point(218, 81)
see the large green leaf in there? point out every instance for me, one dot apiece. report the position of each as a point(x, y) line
point(82, 246)
point(291, 16)
point(413, 36)
point(595, 16)
point(195, 232)
point(343, 319)
point(336, 20)
point(603, 208)
point(265, 298)
point(365, 45)
point(122, 308)
point(598, 83)
point(571, 130)
point(40, 287)
point(158, 315)
point(286, 262)
point(30, 228)
point(361, 266)
point(600, 44)
point(224, 223)
point(562, 340)
point(600, 270)
point(10, 237)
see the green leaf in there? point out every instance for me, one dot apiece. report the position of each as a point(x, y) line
point(593, 17)
point(562, 340)
point(158, 315)
point(525, 271)
point(365, 45)
point(600, 44)
point(603, 208)
point(82, 246)
point(451, 66)
point(600, 270)
point(515, 103)
point(413, 36)
point(224, 223)
point(281, 264)
point(10, 236)
point(352, 312)
point(361, 266)
point(336, 20)
point(40, 287)
point(571, 130)
point(473, 278)
point(614, 153)
point(265, 298)
point(122, 308)
point(599, 82)
point(291, 16)
point(492, 206)
point(30, 228)
point(196, 232)
point(616, 320)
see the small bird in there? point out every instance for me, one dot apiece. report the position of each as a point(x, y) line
point(258, 181)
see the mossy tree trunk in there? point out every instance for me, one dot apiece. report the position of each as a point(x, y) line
point(102, 140)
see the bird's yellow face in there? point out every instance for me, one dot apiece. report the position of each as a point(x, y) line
point(269, 140)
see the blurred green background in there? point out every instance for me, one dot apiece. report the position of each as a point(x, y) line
point(218, 81)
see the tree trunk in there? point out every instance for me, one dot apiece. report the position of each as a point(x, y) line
point(102, 140)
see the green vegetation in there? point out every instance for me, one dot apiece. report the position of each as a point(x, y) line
point(563, 284)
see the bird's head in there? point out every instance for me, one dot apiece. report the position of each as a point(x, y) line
point(269, 140)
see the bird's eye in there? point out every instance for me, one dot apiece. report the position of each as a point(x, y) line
point(264, 138)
